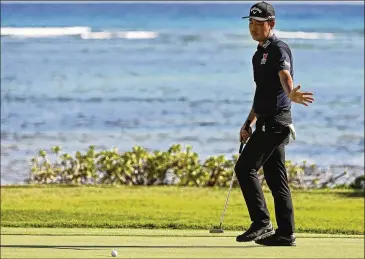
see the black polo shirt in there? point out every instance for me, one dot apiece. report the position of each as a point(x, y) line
point(274, 56)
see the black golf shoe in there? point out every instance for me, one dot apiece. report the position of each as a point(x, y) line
point(256, 232)
point(277, 240)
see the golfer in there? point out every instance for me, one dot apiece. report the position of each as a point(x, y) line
point(273, 75)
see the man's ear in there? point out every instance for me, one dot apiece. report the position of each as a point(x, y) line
point(272, 23)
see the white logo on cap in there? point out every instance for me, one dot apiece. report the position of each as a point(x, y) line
point(255, 10)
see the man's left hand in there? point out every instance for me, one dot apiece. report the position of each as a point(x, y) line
point(301, 97)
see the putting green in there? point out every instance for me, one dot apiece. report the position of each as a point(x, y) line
point(145, 243)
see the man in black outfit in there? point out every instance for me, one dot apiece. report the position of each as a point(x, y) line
point(273, 74)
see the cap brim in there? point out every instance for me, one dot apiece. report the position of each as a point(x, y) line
point(256, 18)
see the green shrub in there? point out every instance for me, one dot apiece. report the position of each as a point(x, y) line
point(141, 167)
point(358, 183)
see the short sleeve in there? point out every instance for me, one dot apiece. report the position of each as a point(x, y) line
point(283, 60)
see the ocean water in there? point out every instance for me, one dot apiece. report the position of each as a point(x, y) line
point(125, 74)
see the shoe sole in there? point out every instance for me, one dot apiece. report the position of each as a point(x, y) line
point(278, 244)
point(291, 244)
point(262, 236)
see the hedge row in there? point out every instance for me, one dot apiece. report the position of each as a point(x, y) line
point(141, 167)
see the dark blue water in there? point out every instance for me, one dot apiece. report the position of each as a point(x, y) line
point(157, 74)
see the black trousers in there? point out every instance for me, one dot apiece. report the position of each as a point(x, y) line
point(267, 149)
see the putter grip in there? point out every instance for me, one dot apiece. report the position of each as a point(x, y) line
point(247, 128)
point(241, 147)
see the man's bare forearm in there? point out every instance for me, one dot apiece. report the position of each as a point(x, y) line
point(251, 117)
point(286, 81)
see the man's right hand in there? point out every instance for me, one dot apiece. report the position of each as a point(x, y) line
point(246, 132)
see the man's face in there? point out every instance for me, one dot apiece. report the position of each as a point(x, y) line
point(260, 30)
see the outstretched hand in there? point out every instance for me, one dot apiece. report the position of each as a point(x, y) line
point(301, 97)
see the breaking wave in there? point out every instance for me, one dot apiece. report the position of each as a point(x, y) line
point(83, 32)
point(305, 35)
point(86, 33)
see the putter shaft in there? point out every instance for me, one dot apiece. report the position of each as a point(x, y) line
point(220, 230)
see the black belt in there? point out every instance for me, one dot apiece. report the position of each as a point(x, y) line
point(273, 122)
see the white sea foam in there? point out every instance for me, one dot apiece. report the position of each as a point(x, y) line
point(137, 35)
point(44, 32)
point(102, 35)
point(304, 35)
point(86, 33)
point(83, 32)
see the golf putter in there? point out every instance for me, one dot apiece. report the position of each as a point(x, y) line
point(220, 229)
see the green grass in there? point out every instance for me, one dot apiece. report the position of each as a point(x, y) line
point(316, 211)
point(145, 243)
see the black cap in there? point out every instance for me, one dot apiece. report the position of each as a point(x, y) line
point(261, 12)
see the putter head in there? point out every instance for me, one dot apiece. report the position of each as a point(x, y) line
point(216, 231)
